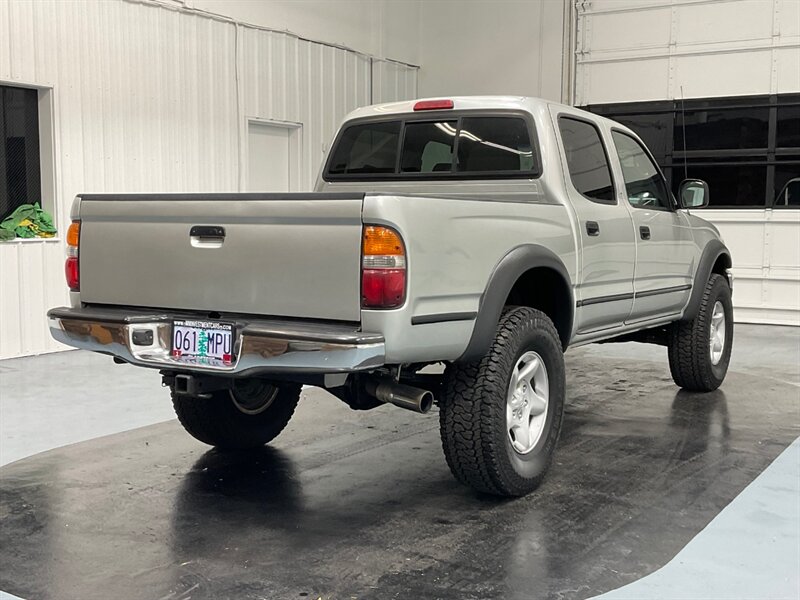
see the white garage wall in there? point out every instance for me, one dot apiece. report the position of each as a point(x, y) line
point(393, 81)
point(148, 98)
point(640, 50)
point(376, 27)
point(492, 47)
point(636, 50)
point(766, 253)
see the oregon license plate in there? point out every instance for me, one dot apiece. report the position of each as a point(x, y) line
point(203, 342)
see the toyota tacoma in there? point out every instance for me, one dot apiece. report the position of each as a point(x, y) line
point(485, 235)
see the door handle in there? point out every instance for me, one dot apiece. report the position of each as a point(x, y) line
point(592, 228)
point(644, 232)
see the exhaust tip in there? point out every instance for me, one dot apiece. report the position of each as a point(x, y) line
point(425, 402)
point(405, 396)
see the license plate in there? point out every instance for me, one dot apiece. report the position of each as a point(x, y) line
point(203, 342)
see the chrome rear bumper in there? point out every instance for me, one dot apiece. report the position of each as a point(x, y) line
point(261, 345)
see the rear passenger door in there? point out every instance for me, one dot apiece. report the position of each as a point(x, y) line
point(604, 293)
point(664, 242)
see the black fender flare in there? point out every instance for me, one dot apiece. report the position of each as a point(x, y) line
point(505, 274)
point(711, 253)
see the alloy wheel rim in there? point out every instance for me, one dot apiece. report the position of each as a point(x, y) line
point(716, 341)
point(526, 402)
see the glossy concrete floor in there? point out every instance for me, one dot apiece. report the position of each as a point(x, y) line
point(361, 505)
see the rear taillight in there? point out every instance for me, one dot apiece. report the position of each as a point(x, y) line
point(71, 266)
point(383, 268)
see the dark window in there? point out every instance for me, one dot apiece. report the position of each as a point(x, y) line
point(428, 147)
point(736, 185)
point(587, 160)
point(370, 148)
point(494, 144)
point(654, 129)
point(788, 126)
point(722, 129)
point(789, 194)
point(644, 184)
point(20, 177)
point(787, 183)
point(728, 143)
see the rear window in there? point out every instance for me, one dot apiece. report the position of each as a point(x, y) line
point(366, 149)
point(453, 147)
point(428, 147)
point(494, 144)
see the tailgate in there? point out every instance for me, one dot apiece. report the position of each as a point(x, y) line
point(295, 255)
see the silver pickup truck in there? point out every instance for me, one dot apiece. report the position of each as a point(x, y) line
point(483, 234)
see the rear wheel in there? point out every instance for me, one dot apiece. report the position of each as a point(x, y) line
point(500, 418)
point(700, 349)
point(250, 415)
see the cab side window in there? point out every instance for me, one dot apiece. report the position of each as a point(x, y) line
point(644, 184)
point(587, 160)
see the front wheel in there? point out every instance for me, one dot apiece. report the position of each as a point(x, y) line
point(500, 418)
point(700, 350)
point(250, 415)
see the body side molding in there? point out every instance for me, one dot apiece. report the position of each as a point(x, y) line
point(443, 318)
point(645, 294)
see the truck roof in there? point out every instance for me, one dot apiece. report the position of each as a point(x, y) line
point(526, 103)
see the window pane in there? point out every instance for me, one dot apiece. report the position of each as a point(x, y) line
point(428, 147)
point(787, 183)
point(643, 183)
point(734, 185)
point(586, 158)
point(653, 129)
point(718, 129)
point(370, 148)
point(20, 178)
point(788, 129)
point(494, 144)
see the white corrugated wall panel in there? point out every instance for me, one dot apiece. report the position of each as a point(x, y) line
point(286, 79)
point(149, 98)
point(10, 313)
point(393, 81)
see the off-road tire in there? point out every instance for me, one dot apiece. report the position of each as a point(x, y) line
point(688, 342)
point(218, 421)
point(472, 416)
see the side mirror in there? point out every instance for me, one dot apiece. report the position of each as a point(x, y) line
point(693, 193)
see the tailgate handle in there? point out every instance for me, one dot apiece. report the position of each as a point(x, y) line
point(207, 231)
point(207, 236)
